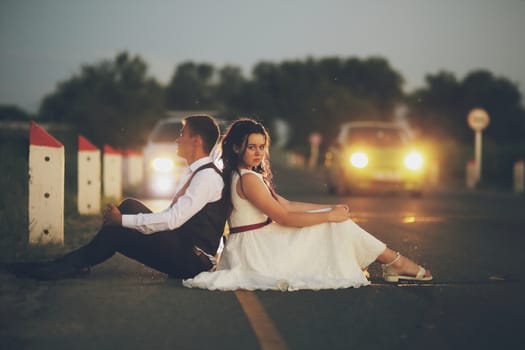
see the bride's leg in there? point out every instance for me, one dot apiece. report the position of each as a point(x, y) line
point(402, 264)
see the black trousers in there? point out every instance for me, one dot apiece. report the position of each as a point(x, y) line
point(164, 251)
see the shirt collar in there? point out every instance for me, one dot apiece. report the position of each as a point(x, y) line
point(200, 162)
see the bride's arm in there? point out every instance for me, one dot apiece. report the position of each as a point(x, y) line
point(302, 206)
point(256, 192)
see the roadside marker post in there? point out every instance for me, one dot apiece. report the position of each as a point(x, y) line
point(470, 174)
point(315, 140)
point(112, 173)
point(519, 177)
point(46, 187)
point(89, 183)
point(132, 171)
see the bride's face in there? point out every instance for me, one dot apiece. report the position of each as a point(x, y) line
point(255, 151)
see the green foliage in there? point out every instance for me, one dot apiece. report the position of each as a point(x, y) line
point(502, 100)
point(115, 102)
point(318, 95)
point(229, 91)
point(111, 102)
point(8, 112)
point(440, 109)
point(14, 152)
point(190, 87)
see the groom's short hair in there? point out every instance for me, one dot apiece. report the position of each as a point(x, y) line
point(206, 127)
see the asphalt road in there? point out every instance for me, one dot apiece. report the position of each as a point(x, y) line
point(472, 241)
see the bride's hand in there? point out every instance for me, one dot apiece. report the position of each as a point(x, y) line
point(339, 213)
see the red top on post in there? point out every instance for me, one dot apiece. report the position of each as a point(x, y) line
point(85, 145)
point(39, 137)
point(110, 150)
point(131, 153)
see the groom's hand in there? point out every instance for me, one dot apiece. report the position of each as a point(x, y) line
point(112, 216)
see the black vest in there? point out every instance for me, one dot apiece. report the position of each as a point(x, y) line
point(205, 228)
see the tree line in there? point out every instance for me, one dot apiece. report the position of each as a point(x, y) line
point(116, 100)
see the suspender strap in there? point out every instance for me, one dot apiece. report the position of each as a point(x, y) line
point(185, 187)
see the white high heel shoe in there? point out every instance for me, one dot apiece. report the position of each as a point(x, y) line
point(391, 275)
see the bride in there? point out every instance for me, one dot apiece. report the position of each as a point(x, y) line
point(276, 244)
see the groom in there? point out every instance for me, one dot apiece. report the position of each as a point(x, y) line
point(181, 240)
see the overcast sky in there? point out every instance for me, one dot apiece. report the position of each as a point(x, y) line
point(43, 42)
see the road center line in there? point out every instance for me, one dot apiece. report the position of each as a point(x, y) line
point(265, 331)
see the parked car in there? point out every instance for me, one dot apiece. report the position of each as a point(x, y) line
point(162, 166)
point(374, 156)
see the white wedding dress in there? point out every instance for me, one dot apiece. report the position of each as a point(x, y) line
point(275, 257)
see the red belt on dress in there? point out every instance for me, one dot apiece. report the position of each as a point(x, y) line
point(250, 227)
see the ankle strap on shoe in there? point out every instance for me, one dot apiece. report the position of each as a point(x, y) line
point(398, 256)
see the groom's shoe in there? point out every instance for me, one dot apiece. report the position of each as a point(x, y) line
point(71, 265)
point(21, 269)
point(57, 270)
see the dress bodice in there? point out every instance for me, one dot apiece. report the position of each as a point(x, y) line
point(244, 212)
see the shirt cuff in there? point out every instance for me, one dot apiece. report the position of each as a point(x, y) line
point(128, 221)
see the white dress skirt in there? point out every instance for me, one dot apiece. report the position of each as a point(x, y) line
point(275, 257)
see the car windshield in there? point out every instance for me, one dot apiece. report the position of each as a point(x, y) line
point(167, 132)
point(375, 137)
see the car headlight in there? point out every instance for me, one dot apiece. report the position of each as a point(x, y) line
point(163, 185)
point(359, 160)
point(414, 161)
point(163, 164)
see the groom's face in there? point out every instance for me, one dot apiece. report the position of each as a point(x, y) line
point(186, 142)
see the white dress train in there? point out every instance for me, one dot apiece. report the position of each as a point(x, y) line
point(275, 257)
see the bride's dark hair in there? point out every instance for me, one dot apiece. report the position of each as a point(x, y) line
point(237, 137)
